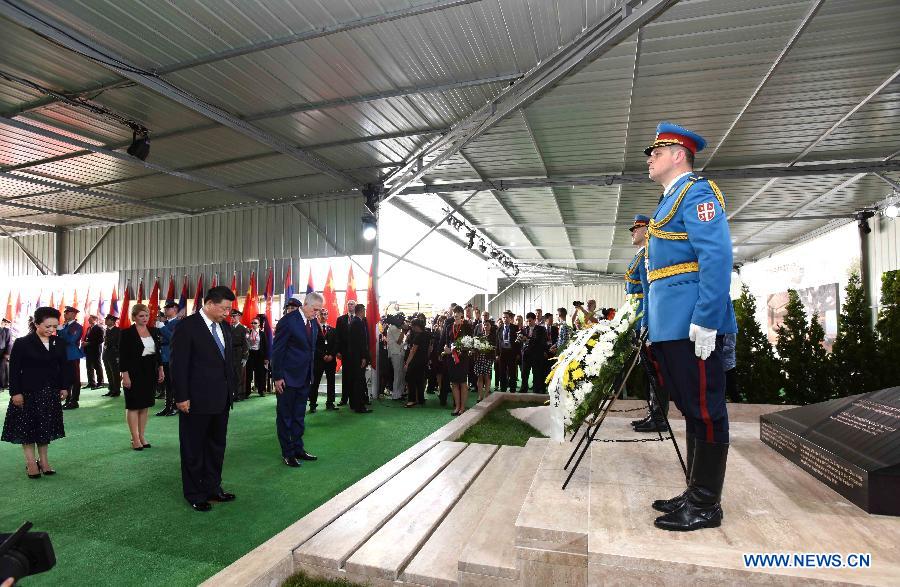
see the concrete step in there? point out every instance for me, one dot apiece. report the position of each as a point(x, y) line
point(335, 543)
point(437, 562)
point(490, 552)
point(391, 548)
point(552, 526)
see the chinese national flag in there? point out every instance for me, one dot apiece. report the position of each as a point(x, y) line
point(125, 318)
point(9, 306)
point(270, 287)
point(330, 302)
point(153, 302)
point(198, 295)
point(75, 302)
point(351, 288)
point(373, 319)
point(170, 294)
point(251, 306)
point(62, 304)
point(234, 303)
point(18, 308)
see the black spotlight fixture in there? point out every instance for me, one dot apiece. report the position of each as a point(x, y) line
point(370, 227)
point(862, 219)
point(140, 145)
point(372, 192)
point(471, 236)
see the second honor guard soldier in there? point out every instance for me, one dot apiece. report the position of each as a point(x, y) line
point(689, 310)
point(635, 280)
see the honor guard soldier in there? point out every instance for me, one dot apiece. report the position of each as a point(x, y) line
point(635, 280)
point(689, 310)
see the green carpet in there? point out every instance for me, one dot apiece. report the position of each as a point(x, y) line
point(117, 516)
point(501, 427)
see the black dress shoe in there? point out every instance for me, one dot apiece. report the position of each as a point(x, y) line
point(291, 462)
point(108, 394)
point(364, 411)
point(332, 408)
point(312, 410)
point(641, 421)
point(652, 425)
point(342, 403)
point(172, 412)
point(162, 412)
point(201, 506)
point(148, 445)
point(70, 406)
point(305, 456)
point(222, 497)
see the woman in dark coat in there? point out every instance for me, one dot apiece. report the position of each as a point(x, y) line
point(39, 377)
point(142, 370)
point(457, 362)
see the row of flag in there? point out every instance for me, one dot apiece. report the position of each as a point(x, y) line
point(250, 310)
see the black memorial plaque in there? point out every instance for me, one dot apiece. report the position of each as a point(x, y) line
point(851, 444)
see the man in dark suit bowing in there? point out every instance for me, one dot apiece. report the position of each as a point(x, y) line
point(293, 360)
point(357, 357)
point(342, 334)
point(202, 378)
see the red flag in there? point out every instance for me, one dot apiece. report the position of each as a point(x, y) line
point(234, 302)
point(170, 294)
point(124, 317)
point(288, 284)
point(330, 301)
point(251, 306)
point(18, 309)
point(182, 300)
point(113, 303)
point(62, 304)
point(351, 288)
point(153, 302)
point(373, 318)
point(51, 305)
point(87, 314)
point(9, 306)
point(270, 287)
point(198, 295)
point(75, 303)
point(140, 298)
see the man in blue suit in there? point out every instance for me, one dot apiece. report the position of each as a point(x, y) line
point(689, 310)
point(71, 333)
point(293, 361)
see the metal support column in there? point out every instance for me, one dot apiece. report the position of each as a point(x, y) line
point(61, 249)
point(865, 263)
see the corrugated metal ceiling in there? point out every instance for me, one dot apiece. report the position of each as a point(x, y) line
point(697, 65)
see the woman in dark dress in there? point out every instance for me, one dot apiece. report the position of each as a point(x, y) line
point(142, 370)
point(458, 362)
point(484, 362)
point(39, 377)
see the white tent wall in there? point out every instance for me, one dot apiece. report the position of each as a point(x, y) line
point(522, 300)
point(884, 250)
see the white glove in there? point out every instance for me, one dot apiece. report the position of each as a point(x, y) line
point(704, 340)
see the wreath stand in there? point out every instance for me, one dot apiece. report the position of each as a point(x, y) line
point(638, 354)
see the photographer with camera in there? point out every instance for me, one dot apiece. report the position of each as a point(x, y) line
point(582, 317)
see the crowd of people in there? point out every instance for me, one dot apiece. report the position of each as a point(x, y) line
point(421, 355)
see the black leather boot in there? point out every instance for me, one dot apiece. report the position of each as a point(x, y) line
point(654, 423)
point(702, 507)
point(670, 505)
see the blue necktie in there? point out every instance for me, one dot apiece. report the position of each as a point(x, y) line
point(215, 332)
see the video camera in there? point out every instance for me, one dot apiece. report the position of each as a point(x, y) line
point(577, 304)
point(25, 553)
point(397, 320)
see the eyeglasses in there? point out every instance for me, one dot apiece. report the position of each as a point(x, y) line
point(254, 324)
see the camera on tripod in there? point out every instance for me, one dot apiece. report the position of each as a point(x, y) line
point(25, 553)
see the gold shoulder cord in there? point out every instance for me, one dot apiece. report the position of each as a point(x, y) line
point(631, 268)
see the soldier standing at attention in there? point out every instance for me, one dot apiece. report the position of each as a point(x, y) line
point(689, 311)
point(635, 277)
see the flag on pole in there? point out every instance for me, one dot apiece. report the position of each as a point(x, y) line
point(215, 281)
point(198, 295)
point(38, 302)
point(140, 295)
point(75, 301)
point(182, 301)
point(234, 302)
point(153, 302)
point(351, 288)
point(373, 317)
point(86, 314)
point(62, 304)
point(113, 303)
point(9, 307)
point(101, 305)
point(251, 305)
point(270, 286)
point(330, 300)
point(288, 283)
point(309, 283)
point(170, 293)
point(124, 318)
point(51, 305)
point(18, 308)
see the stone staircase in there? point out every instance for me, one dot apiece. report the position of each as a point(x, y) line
point(446, 513)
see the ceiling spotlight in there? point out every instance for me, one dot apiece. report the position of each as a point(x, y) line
point(370, 227)
point(892, 211)
point(471, 236)
point(140, 145)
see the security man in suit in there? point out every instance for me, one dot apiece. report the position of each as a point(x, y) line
point(71, 333)
point(689, 311)
point(111, 341)
point(326, 363)
point(5, 349)
point(342, 331)
point(241, 352)
point(635, 275)
point(93, 341)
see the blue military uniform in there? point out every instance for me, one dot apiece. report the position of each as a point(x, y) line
point(688, 281)
point(71, 334)
point(636, 274)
